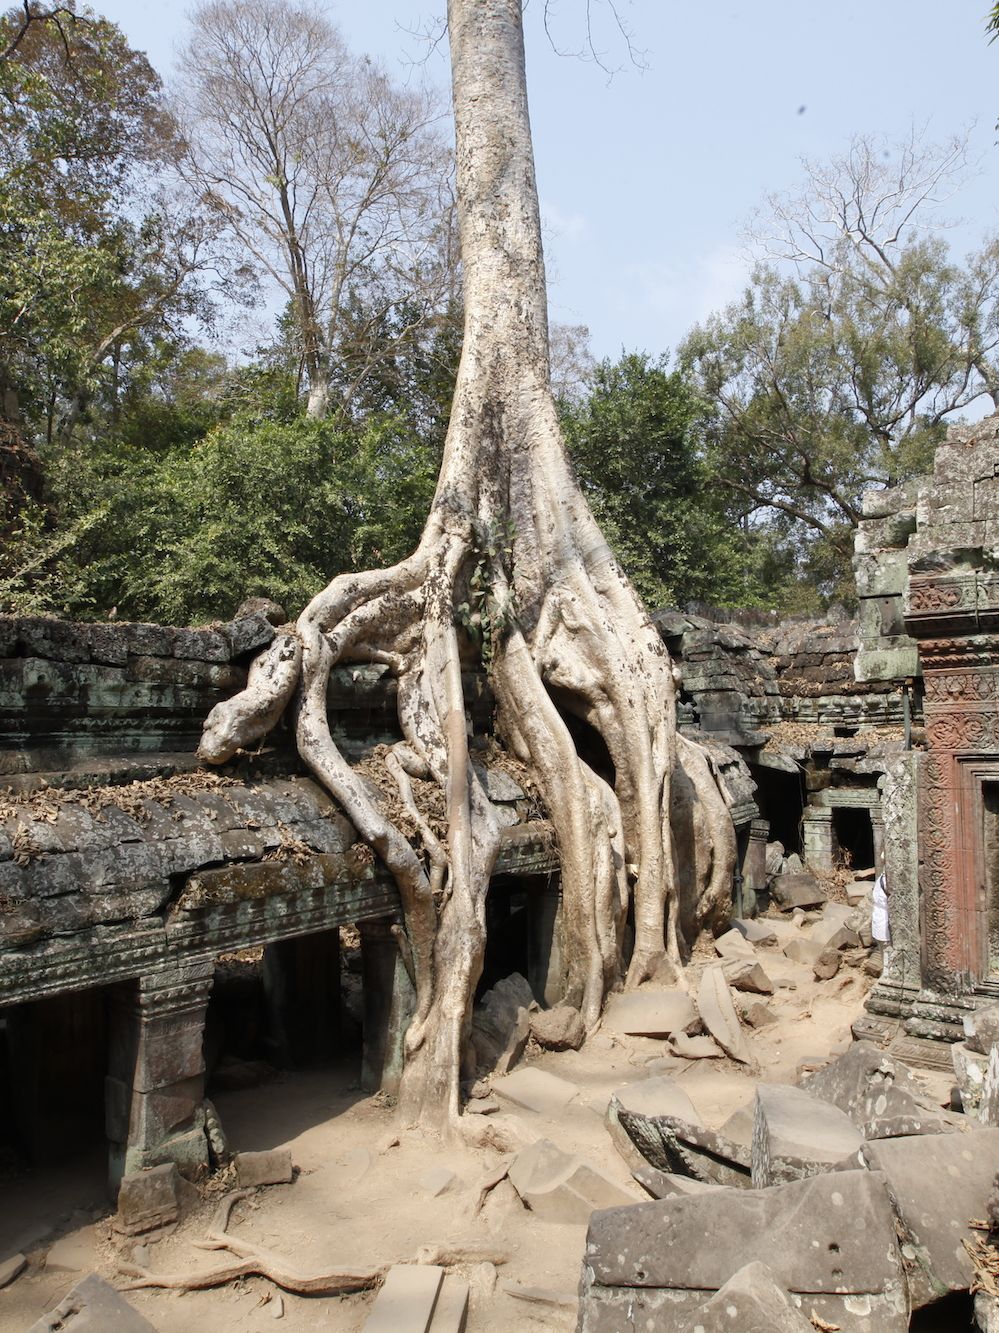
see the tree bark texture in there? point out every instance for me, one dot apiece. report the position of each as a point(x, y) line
point(512, 560)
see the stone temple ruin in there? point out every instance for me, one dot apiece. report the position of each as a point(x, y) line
point(165, 930)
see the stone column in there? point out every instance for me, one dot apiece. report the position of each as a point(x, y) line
point(754, 865)
point(155, 1088)
point(389, 998)
point(818, 842)
point(545, 959)
point(302, 984)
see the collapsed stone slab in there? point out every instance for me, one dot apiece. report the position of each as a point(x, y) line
point(93, 1306)
point(558, 1029)
point(879, 1094)
point(501, 1024)
point(829, 1239)
point(649, 1013)
point(797, 890)
point(562, 1188)
point(667, 1134)
point(937, 1183)
point(714, 1004)
point(797, 1135)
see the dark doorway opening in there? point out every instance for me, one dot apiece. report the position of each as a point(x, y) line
point(854, 836)
point(522, 935)
point(781, 799)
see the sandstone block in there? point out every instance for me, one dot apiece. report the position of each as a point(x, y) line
point(826, 965)
point(759, 1015)
point(743, 975)
point(797, 890)
point(536, 1090)
point(561, 1188)
point(273, 1167)
point(981, 1029)
point(695, 1048)
point(501, 1024)
point(879, 1094)
point(451, 1310)
point(406, 1299)
point(733, 944)
point(93, 1306)
point(804, 951)
point(750, 1301)
point(756, 931)
point(797, 1135)
point(937, 1184)
point(714, 1003)
point(649, 1013)
point(148, 1199)
point(558, 1029)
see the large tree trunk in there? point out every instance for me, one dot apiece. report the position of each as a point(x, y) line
point(511, 558)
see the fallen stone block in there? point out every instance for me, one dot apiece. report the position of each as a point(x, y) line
point(981, 1029)
point(695, 1048)
point(670, 1137)
point(879, 1094)
point(828, 1240)
point(988, 1107)
point(797, 1135)
point(834, 935)
point(501, 1024)
point(969, 1070)
point(273, 1167)
point(826, 965)
point(714, 1004)
point(774, 859)
point(802, 950)
point(561, 1188)
point(759, 1015)
point(733, 944)
point(148, 1200)
point(749, 1302)
point(796, 890)
point(649, 1013)
point(986, 1312)
point(739, 1126)
point(406, 1299)
point(11, 1268)
point(649, 1098)
point(535, 1090)
point(937, 1183)
point(743, 975)
point(451, 1310)
point(93, 1306)
point(756, 930)
point(858, 894)
point(538, 1295)
point(558, 1029)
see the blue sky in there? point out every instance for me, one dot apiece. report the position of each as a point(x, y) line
point(647, 179)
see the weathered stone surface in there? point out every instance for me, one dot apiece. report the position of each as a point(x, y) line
point(988, 1108)
point(834, 935)
point(501, 1024)
point(649, 1266)
point(969, 1070)
point(675, 1142)
point(733, 944)
point(558, 1029)
point(802, 950)
point(744, 975)
point(649, 1013)
point(879, 1094)
point(148, 1199)
point(937, 1184)
point(826, 965)
point(759, 1015)
point(757, 931)
point(499, 785)
point(93, 1306)
point(714, 1004)
point(695, 1048)
point(797, 1135)
point(536, 1090)
point(750, 1302)
point(406, 1299)
point(561, 1188)
point(981, 1029)
point(648, 1099)
point(801, 890)
point(273, 1167)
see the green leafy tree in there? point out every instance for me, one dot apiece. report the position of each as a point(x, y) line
point(855, 342)
point(637, 444)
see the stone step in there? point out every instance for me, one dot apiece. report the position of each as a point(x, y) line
point(406, 1301)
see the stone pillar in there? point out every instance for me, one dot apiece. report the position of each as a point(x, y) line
point(754, 866)
point(302, 984)
point(545, 957)
point(389, 998)
point(155, 1088)
point(897, 990)
point(818, 842)
point(878, 833)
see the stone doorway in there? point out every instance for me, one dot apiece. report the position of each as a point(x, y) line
point(990, 850)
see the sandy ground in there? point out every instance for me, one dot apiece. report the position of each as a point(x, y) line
point(361, 1195)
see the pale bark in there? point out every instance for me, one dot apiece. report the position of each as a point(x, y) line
point(568, 633)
